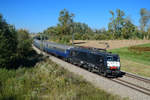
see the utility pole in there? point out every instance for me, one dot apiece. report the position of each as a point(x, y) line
point(72, 34)
point(41, 45)
point(72, 38)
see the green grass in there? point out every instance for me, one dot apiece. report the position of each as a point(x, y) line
point(134, 62)
point(47, 81)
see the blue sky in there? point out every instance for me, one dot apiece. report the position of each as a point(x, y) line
point(38, 15)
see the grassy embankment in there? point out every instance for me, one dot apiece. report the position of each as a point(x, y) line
point(47, 81)
point(135, 59)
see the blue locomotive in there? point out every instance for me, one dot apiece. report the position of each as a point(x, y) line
point(90, 58)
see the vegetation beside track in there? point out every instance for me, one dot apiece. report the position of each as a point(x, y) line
point(47, 80)
point(135, 59)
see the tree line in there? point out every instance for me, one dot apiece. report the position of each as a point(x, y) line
point(15, 45)
point(119, 27)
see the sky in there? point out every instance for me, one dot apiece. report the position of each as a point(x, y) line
point(38, 15)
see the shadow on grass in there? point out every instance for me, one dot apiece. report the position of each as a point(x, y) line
point(9, 98)
point(79, 42)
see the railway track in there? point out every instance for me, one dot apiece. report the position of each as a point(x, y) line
point(132, 86)
point(138, 77)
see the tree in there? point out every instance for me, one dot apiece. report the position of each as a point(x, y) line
point(8, 44)
point(81, 28)
point(128, 29)
point(120, 26)
point(24, 43)
point(117, 22)
point(144, 21)
point(112, 25)
point(145, 18)
point(148, 30)
point(65, 22)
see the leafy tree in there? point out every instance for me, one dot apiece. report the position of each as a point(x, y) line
point(8, 44)
point(148, 31)
point(81, 28)
point(24, 43)
point(144, 21)
point(65, 22)
point(127, 29)
point(120, 26)
point(145, 18)
point(112, 24)
point(117, 20)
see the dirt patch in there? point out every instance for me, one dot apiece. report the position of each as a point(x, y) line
point(112, 43)
point(139, 49)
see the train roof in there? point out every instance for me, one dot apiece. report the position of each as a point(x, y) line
point(98, 52)
point(60, 46)
point(81, 49)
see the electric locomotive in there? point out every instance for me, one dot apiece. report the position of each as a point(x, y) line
point(94, 60)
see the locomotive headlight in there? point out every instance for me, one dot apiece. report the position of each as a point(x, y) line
point(113, 64)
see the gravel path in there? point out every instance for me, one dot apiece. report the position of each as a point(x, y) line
point(101, 82)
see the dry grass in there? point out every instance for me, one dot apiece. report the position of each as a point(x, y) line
point(135, 67)
point(113, 44)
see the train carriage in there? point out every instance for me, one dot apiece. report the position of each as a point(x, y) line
point(58, 50)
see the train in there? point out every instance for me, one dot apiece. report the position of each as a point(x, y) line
point(92, 59)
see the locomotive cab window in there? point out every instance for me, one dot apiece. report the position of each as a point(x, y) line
point(116, 59)
point(111, 58)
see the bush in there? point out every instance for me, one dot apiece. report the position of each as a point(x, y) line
point(15, 46)
point(8, 44)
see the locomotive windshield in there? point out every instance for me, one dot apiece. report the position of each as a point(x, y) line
point(112, 58)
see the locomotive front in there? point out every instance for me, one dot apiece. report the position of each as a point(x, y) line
point(113, 65)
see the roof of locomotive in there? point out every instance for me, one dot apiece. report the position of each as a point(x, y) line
point(98, 52)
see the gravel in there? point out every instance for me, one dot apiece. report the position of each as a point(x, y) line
point(101, 82)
